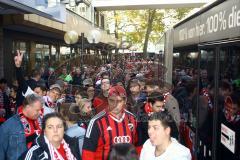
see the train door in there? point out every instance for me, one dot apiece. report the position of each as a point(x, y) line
point(218, 116)
point(205, 109)
point(228, 127)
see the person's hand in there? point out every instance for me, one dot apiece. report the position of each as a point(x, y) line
point(18, 59)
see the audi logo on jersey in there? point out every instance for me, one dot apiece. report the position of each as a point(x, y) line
point(122, 139)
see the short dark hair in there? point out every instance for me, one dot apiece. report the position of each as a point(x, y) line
point(53, 115)
point(30, 99)
point(164, 117)
point(151, 83)
point(42, 86)
point(123, 151)
point(155, 96)
point(35, 73)
point(104, 74)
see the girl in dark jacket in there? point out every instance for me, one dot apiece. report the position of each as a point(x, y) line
point(52, 144)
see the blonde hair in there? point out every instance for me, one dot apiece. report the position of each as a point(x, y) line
point(82, 102)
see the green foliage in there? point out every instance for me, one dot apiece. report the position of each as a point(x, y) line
point(132, 25)
point(182, 12)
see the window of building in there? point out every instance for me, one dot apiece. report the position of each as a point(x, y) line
point(42, 55)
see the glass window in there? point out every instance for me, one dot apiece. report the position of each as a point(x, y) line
point(229, 101)
point(206, 102)
point(81, 9)
point(42, 55)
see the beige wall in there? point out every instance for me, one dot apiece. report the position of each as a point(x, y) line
point(73, 22)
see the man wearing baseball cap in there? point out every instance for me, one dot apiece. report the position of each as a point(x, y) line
point(51, 98)
point(111, 126)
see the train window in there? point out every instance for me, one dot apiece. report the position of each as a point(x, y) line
point(229, 101)
point(206, 100)
point(229, 62)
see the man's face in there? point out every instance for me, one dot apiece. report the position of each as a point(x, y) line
point(39, 91)
point(105, 84)
point(87, 108)
point(134, 88)
point(90, 92)
point(204, 74)
point(116, 104)
point(158, 106)
point(38, 77)
point(54, 94)
point(64, 71)
point(149, 89)
point(34, 110)
point(157, 133)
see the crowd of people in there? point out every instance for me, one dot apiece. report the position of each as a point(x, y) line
point(117, 111)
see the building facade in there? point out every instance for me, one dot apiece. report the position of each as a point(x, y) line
point(41, 37)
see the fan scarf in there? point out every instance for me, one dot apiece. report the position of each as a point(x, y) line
point(48, 102)
point(205, 93)
point(55, 155)
point(32, 128)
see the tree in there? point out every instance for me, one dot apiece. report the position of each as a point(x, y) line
point(143, 26)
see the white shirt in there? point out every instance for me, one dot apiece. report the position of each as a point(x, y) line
point(175, 151)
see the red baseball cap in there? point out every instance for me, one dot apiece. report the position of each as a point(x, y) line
point(117, 91)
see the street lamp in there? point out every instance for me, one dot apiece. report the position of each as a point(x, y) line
point(71, 37)
point(94, 36)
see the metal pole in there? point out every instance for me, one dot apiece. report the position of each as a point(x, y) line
point(82, 50)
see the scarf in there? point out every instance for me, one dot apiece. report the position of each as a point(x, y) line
point(165, 95)
point(48, 102)
point(55, 155)
point(32, 128)
point(205, 93)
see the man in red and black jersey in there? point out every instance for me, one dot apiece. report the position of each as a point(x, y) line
point(113, 125)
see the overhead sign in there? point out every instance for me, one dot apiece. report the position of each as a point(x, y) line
point(220, 22)
point(228, 138)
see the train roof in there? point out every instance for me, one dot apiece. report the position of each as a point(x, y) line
point(199, 12)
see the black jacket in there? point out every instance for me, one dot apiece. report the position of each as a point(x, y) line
point(40, 150)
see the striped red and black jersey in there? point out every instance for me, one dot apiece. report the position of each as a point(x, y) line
point(104, 130)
